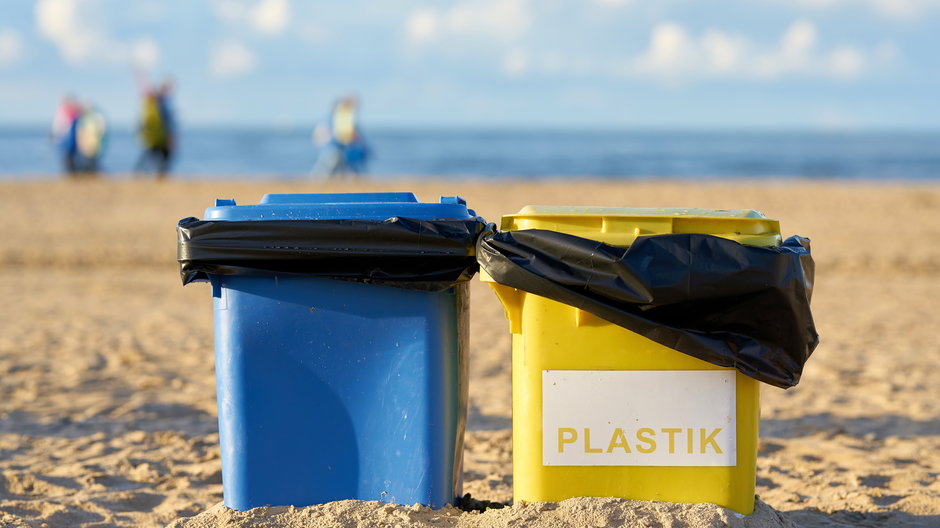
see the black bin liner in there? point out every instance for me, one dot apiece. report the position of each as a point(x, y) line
point(726, 303)
point(429, 255)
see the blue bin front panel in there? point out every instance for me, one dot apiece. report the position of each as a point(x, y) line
point(331, 390)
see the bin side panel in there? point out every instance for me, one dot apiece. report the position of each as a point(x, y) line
point(331, 390)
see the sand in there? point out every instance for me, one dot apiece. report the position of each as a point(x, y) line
point(107, 400)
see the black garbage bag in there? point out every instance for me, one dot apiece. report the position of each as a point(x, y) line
point(429, 255)
point(726, 303)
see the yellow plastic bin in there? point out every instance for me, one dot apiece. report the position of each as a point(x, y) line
point(601, 411)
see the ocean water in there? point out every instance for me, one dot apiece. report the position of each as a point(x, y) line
point(262, 154)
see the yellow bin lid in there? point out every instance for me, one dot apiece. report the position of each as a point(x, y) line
point(619, 226)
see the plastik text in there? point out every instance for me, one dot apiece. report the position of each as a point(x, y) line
point(643, 440)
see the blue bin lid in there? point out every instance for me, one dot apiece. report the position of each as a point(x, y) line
point(337, 206)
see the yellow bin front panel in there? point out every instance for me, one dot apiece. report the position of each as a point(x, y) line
point(552, 336)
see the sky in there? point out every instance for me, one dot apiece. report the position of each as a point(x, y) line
point(863, 65)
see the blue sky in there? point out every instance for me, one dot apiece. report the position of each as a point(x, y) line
point(770, 64)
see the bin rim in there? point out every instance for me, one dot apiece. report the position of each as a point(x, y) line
point(621, 226)
point(339, 206)
point(655, 212)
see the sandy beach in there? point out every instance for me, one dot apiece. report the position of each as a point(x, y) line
point(108, 410)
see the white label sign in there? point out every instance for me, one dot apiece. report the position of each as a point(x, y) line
point(638, 418)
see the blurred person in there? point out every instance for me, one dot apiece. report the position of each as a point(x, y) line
point(343, 150)
point(91, 135)
point(62, 133)
point(157, 130)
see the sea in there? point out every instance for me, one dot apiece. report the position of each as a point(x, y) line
point(289, 154)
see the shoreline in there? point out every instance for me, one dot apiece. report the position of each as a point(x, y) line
point(472, 179)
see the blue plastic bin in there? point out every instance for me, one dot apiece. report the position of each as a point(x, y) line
point(331, 390)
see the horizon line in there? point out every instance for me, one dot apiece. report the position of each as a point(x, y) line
point(507, 127)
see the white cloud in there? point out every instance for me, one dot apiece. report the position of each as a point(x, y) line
point(501, 19)
point(61, 22)
point(670, 53)
point(145, 53)
point(231, 59)
point(422, 26)
point(271, 17)
point(794, 53)
point(11, 47)
point(899, 9)
point(613, 3)
point(846, 62)
point(723, 52)
point(492, 20)
point(76, 29)
point(798, 40)
point(673, 55)
point(515, 62)
point(468, 26)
